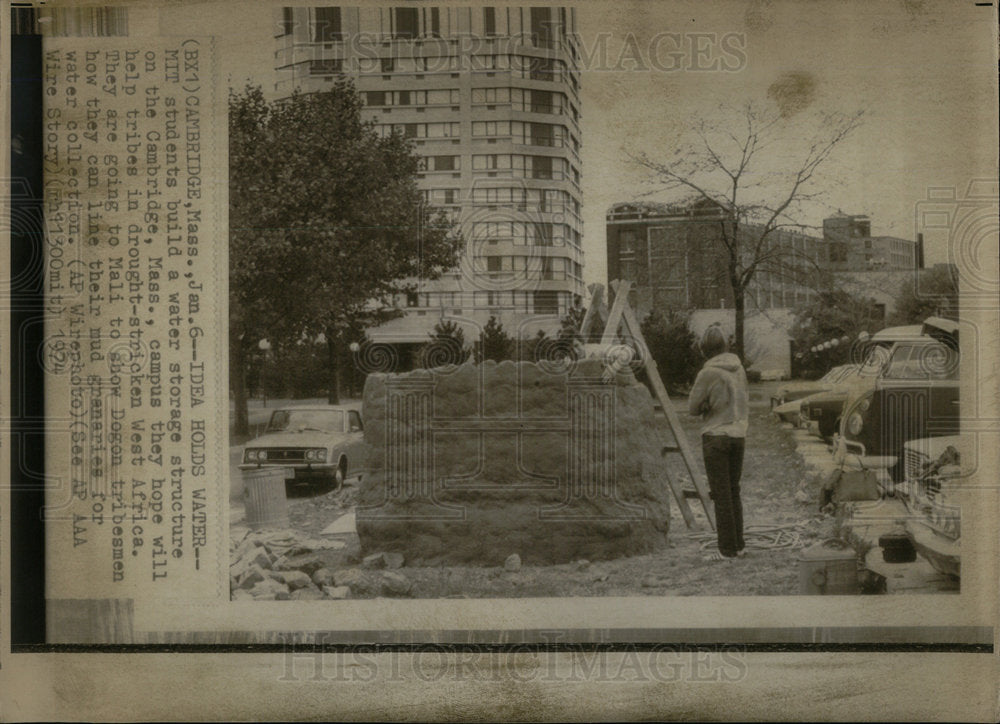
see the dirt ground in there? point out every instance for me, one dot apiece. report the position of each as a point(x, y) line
point(779, 526)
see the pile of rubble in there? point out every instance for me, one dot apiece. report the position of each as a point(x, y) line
point(281, 566)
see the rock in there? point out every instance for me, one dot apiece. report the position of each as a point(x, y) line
point(513, 562)
point(375, 560)
point(241, 595)
point(395, 584)
point(245, 546)
point(308, 564)
point(393, 560)
point(269, 589)
point(307, 594)
point(651, 582)
point(337, 592)
point(252, 577)
point(258, 557)
point(803, 497)
point(582, 565)
point(323, 577)
point(295, 579)
point(356, 579)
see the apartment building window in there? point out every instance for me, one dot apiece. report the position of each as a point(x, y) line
point(287, 21)
point(494, 265)
point(402, 98)
point(491, 95)
point(542, 101)
point(326, 67)
point(326, 28)
point(541, 27)
point(406, 23)
point(541, 167)
point(491, 128)
point(445, 163)
point(387, 65)
point(450, 196)
point(489, 21)
point(543, 233)
point(546, 302)
point(543, 134)
point(375, 98)
point(542, 69)
point(433, 20)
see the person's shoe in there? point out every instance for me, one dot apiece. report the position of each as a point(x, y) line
point(741, 553)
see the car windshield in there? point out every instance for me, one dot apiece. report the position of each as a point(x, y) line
point(874, 362)
point(933, 361)
point(301, 420)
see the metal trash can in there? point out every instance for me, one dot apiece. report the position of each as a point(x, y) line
point(265, 498)
point(828, 568)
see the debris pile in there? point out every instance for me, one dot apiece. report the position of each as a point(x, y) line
point(285, 565)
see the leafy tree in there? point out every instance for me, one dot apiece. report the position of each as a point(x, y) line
point(673, 347)
point(327, 225)
point(446, 346)
point(838, 315)
point(933, 293)
point(530, 348)
point(569, 336)
point(494, 343)
point(753, 169)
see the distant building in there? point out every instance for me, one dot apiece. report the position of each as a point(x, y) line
point(490, 97)
point(676, 259)
point(851, 247)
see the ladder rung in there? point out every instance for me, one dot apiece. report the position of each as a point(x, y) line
point(691, 493)
point(669, 449)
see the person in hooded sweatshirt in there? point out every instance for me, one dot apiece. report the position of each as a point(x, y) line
point(720, 398)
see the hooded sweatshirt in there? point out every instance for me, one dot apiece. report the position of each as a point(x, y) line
point(720, 396)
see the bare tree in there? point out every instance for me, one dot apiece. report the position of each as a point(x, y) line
point(754, 169)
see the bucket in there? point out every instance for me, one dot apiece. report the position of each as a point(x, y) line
point(265, 498)
point(828, 568)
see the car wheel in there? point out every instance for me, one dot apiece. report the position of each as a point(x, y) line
point(337, 481)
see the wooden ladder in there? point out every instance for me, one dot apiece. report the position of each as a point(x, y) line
point(621, 316)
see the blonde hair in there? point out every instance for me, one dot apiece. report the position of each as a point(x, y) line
point(713, 342)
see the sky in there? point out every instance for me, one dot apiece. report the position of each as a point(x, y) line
point(923, 73)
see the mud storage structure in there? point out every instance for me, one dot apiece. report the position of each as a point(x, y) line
point(553, 461)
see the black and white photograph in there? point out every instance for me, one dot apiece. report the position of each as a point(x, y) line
point(491, 338)
point(486, 361)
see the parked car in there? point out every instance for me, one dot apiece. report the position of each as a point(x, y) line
point(321, 444)
point(789, 410)
point(803, 388)
point(822, 412)
point(915, 396)
point(932, 471)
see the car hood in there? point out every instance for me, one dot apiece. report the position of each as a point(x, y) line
point(834, 395)
point(307, 438)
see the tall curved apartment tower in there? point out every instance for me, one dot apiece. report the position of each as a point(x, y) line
point(491, 98)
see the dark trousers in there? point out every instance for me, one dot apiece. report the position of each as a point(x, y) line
point(724, 466)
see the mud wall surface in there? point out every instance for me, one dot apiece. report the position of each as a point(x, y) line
point(470, 464)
